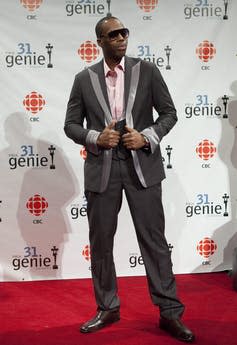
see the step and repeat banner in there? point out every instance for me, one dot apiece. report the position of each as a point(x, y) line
point(43, 210)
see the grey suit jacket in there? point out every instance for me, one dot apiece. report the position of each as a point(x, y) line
point(144, 90)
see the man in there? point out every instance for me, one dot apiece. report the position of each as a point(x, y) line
point(125, 157)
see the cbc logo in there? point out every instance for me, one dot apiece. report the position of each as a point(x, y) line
point(31, 5)
point(83, 153)
point(147, 5)
point(34, 102)
point(87, 253)
point(206, 51)
point(37, 205)
point(206, 247)
point(88, 51)
point(206, 150)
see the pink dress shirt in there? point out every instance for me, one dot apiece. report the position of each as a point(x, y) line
point(115, 88)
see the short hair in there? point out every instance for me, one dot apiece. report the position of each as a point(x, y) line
point(98, 27)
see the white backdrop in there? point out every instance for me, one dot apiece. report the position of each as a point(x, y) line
point(43, 227)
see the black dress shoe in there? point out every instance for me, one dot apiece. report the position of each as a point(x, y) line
point(177, 329)
point(102, 319)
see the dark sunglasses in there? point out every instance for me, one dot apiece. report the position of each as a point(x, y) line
point(113, 35)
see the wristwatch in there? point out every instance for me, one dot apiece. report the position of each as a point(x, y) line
point(146, 141)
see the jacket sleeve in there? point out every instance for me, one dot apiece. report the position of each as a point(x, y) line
point(163, 104)
point(75, 116)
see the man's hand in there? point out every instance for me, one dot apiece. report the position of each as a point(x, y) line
point(133, 140)
point(109, 138)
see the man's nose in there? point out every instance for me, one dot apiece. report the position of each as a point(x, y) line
point(120, 37)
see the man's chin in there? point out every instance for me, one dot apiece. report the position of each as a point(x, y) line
point(120, 55)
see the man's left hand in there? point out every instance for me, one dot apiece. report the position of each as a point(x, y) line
point(133, 140)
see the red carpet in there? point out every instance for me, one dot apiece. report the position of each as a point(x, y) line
point(50, 312)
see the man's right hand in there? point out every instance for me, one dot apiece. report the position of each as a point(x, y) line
point(109, 138)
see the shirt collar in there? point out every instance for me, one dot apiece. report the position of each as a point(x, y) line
point(120, 66)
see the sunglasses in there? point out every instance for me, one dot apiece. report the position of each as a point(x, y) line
point(113, 35)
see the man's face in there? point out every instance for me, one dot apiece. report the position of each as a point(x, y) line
point(113, 43)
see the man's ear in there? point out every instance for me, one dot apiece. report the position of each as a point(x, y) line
point(99, 42)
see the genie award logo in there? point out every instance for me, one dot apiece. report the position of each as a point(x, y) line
point(87, 7)
point(206, 9)
point(27, 158)
point(162, 60)
point(136, 259)
point(203, 108)
point(167, 161)
point(79, 210)
point(203, 206)
point(24, 56)
point(32, 259)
